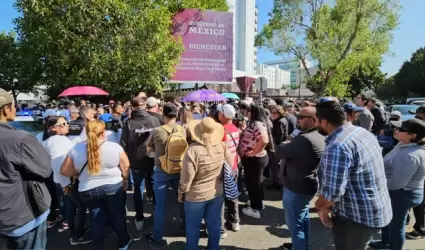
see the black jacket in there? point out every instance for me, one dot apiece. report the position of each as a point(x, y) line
point(135, 134)
point(292, 122)
point(24, 168)
point(158, 116)
point(280, 130)
point(380, 120)
point(302, 156)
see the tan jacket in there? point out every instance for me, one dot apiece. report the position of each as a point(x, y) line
point(201, 176)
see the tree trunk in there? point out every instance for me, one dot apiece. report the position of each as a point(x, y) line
point(15, 97)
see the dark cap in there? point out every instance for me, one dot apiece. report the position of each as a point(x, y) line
point(170, 109)
point(420, 110)
point(413, 126)
point(350, 107)
point(137, 102)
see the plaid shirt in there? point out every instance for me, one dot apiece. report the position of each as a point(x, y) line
point(352, 175)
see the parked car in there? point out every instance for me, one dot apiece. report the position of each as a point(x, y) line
point(415, 99)
point(403, 109)
point(24, 112)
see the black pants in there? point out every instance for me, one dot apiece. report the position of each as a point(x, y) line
point(350, 235)
point(419, 213)
point(51, 186)
point(253, 169)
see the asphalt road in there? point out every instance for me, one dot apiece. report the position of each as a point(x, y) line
point(269, 232)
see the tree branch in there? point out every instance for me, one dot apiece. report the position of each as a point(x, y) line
point(353, 35)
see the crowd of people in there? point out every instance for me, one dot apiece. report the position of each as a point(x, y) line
point(89, 155)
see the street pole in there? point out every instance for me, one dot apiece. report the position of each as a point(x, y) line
point(261, 90)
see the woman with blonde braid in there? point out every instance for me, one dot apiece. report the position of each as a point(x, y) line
point(102, 168)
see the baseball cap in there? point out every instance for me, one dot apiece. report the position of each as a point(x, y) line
point(106, 117)
point(170, 109)
point(420, 110)
point(289, 105)
point(111, 101)
point(137, 102)
point(350, 107)
point(73, 110)
point(151, 102)
point(227, 110)
point(395, 113)
point(414, 126)
point(5, 97)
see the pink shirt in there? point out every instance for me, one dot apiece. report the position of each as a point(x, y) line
point(251, 136)
point(230, 131)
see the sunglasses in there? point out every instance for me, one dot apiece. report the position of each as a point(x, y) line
point(63, 124)
point(304, 116)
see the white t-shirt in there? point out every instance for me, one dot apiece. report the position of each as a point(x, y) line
point(79, 138)
point(58, 147)
point(113, 136)
point(110, 172)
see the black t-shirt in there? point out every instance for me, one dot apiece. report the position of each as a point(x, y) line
point(76, 126)
point(158, 116)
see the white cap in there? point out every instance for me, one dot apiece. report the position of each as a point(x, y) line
point(152, 101)
point(396, 113)
point(227, 110)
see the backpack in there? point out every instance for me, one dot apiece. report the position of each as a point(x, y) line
point(175, 148)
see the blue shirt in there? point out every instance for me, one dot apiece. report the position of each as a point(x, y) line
point(18, 232)
point(352, 175)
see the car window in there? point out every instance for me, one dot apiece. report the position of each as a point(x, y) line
point(404, 109)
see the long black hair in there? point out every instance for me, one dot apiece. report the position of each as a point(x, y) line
point(258, 114)
point(50, 121)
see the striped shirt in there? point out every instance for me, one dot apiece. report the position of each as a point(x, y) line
point(232, 143)
point(352, 175)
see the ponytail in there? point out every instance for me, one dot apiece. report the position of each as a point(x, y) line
point(94, 131)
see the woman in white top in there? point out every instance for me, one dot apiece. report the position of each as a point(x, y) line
point(104, 176)
point(58, 145)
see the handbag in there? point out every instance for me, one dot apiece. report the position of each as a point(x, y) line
point(73, 187)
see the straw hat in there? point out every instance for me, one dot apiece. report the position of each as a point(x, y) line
point(199, 129)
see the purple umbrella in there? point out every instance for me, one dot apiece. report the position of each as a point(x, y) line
point(203, 95)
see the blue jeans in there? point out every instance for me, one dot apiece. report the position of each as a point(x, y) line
point(401, 202)
point(105, 202)
point(210, 211)
point(139, 178)
point(162, 181)
point(35, 239)
point(75, 213)
point(297, 217)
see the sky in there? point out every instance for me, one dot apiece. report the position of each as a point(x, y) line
point(409, 36)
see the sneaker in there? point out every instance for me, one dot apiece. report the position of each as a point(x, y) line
point(149, 200)
point(139, 224)
point(80, 241)
point(127, 245)
point(65, 225)
point(251, 212)
point(286, 246)
point(248, 203)
point(415, 235)
point(52, 223)
point(379, 245)
point(223, 235)
point(235, 227)
point(150, 239)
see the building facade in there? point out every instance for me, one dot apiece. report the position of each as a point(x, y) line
point(298, 73)
point(245, 28)
point(276, 77)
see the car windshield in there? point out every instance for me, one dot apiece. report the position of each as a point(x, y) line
point(404, 109)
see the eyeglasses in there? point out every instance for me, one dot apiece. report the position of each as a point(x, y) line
point(63, 124)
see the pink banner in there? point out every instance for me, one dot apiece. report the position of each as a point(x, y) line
point(208, 46)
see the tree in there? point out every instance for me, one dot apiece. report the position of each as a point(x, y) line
point(121, 46)
point(389, 90)
point(340, 36)
point(411, 77)
point(365, 78)
point(15, 74)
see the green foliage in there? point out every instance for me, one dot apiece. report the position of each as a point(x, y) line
point(122, 46)
point(389, 90)
point(364, 79)
point(340, 36)
point(16, 74)
point(411, 77)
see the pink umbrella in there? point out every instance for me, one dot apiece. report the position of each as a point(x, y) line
point(83, 90)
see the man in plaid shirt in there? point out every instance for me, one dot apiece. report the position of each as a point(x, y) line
point(352, 180)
